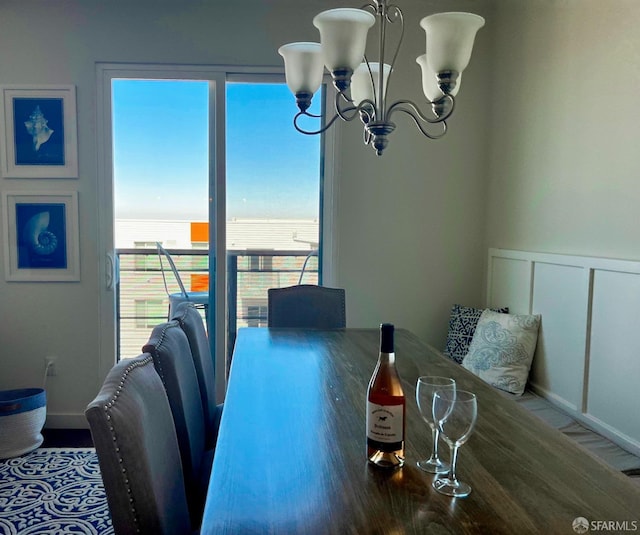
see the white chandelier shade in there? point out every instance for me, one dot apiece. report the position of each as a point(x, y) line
point(303, 66)
point(361, 88)
point(430, 81)
point(362, 85)
point(343, 36)
point(450, 38)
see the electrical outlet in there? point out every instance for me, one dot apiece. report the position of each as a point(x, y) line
point(50, 365)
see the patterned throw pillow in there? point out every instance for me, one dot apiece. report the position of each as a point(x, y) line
point(502, 349)
point(462, 325)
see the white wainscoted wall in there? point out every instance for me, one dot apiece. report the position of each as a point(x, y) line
point(587, 360)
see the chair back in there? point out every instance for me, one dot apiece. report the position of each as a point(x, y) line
point(201, 299)
point(190, 320)
point(137, 448)
point(163, 253)
point(307, 306)
point(169, 347)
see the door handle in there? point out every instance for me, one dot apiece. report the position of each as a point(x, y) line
point(111, 274)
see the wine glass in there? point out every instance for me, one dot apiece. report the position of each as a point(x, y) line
point(455, 413)
point(425, 389)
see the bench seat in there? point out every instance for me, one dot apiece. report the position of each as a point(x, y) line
point(603, 448)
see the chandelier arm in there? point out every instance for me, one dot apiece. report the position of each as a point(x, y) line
point(366, 111)
point(391, 14)
point(309, 114)
point(366, 136)
point(398, 106)
point(362, 110)
point(418, 119)
point(375, 97)
point(382, 37)
point(313, 132)
point(378, 110)
point(343, 95)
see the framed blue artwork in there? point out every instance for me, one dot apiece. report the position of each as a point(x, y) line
point(42, 236)
point(39, 132)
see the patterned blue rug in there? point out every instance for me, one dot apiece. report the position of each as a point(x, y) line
point(53, 491)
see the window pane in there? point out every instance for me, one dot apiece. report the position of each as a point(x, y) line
point(161, 184)
point(273, 197)
point(273, 171)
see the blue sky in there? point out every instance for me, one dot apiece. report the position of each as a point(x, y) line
point(161, 152)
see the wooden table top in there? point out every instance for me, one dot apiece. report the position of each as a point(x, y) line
point(291, 452)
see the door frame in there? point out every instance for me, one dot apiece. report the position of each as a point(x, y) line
point(217, 77)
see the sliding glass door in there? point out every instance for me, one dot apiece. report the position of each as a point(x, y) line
point(208, 164)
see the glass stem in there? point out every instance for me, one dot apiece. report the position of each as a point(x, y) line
point(454, 458)
point(435, 433)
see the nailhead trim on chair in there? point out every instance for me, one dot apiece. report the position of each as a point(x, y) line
point(107, 407)
point(169, 325)
point(183, 317)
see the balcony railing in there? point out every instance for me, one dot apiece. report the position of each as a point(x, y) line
point(142, 301)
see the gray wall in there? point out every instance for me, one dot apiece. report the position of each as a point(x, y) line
point(542, 155)
point(564, 174)
point(410, 237)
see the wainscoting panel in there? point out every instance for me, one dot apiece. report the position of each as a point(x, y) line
point(614, 359)
point(587, 359)
point(560, 296)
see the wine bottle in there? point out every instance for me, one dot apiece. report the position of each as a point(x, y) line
point(385, 407)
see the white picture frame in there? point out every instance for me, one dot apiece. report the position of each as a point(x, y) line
point(39, 131)
point(41, 236)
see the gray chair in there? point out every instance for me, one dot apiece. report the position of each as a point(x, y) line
point(137, 447)
point(307, 306)
point(192, 324)
point(169, 347)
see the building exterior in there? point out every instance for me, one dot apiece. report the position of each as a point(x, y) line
point(261, 254)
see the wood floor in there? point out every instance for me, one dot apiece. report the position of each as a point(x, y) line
point(67, 438)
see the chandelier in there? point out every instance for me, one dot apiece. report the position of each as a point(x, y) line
point(362, 85)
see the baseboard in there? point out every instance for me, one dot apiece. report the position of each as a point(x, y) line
point(558, 401)
point(614, 435)
point(66, 421)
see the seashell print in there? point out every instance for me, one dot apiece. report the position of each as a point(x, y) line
point(38, 128)
point(40, 240)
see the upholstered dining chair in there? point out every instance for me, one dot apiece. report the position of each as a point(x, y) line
point(169, 347)
point(306, 306)
point(135, 440)
point(190, 320)
point(200, 299)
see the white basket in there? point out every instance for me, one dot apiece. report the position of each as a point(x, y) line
point(22, 416)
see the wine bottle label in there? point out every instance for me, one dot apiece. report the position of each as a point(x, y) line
point(384, 423)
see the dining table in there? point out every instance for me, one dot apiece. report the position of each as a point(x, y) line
point(291, 455)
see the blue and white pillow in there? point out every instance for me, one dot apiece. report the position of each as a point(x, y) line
point(502, 349)
point(462, 325)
